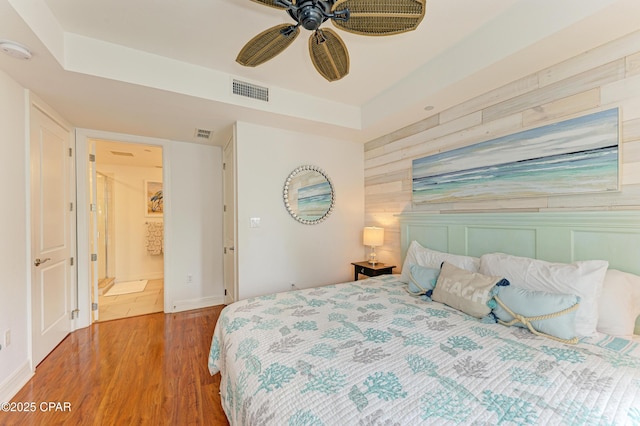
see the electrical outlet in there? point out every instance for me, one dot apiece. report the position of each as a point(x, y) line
point(7, 338)
point(189, 278)
point(293, 286)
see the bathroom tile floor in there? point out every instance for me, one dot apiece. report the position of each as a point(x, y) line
point(133, 304)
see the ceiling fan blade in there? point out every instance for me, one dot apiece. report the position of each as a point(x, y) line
point(329, 54)
point(270, 3)
point(267, 44)
point(380, 17)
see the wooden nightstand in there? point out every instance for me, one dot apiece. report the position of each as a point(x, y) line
point(365, 268)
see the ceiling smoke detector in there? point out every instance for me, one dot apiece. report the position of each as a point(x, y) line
point(15, 50)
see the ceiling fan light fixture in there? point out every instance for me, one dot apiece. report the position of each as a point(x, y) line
point(327, 50)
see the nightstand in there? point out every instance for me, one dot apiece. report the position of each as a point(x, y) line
point(365, 268)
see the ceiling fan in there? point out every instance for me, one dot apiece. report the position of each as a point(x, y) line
point(328, 52)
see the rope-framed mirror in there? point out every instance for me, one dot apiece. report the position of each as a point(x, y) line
point(309, 195)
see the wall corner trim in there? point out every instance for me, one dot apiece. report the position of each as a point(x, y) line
point(10, 387)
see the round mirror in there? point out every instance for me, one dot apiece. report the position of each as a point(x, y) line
point(308, 195)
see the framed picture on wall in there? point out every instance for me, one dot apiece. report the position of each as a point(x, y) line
point(575, 156)
point(153, 202)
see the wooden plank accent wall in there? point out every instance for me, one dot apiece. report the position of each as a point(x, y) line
point(605, 77)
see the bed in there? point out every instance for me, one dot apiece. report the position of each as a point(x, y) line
point(385, 351)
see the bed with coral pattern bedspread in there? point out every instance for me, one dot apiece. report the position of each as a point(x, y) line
point(369, 353)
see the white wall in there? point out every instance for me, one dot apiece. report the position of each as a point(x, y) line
point(195, 238)
point(132, 262)
point(14, 234)
point(605, 77)
point(283, 251)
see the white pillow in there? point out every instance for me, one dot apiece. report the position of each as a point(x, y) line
point(619, 304)
point(418, 255)
point(583, 279)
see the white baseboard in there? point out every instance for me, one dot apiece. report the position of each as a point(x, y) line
point(10, 387)
point(187, 305)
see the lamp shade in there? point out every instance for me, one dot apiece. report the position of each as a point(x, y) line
point(373, 236)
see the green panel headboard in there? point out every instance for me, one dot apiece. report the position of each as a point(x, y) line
point(553, 236)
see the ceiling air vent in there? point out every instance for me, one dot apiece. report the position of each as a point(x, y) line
point(203, 134)
point(249, 90)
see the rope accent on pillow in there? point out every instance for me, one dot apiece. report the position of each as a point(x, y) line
point(527, 321)
point(417, 293)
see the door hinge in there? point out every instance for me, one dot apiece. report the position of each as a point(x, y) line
point(70, 152)
point(94, 257)
point(75, 313)
point(224, 208)
point(92, 158)
point(225, 291)
point(94, 306)
point(225, 250)
point(224, 166)
point(71, 261)
point(70, 207)
point(92, 207)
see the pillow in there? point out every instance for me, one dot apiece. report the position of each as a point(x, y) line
point(532, 304)
point(422, 256)
point(583, 279)
point(422, 280)
point(619, 305)
point(466, 291)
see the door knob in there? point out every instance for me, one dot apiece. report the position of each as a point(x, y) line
point(38, 262)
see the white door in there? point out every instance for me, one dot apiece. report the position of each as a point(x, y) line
point(229, 189)
point(51, 222)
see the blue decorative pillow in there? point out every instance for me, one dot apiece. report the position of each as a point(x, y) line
point(422, 280)
point(524, 308)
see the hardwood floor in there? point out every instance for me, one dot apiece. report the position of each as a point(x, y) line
point(145, 370)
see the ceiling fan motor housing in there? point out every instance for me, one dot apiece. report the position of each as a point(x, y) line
point(310, 18)
point(311, 13)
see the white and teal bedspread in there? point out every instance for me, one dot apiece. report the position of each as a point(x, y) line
point(368, 353)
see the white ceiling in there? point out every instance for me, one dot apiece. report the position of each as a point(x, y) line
point(162, 68)
point(127, 154)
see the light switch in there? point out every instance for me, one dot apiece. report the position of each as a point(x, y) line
point(254, 222)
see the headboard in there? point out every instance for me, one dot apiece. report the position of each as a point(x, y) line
point(553, 236)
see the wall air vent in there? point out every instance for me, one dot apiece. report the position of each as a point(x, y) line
point(203, 134)
point(122, 154)
point(249, 90)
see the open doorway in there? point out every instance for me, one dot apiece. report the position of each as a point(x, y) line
point(127, 219)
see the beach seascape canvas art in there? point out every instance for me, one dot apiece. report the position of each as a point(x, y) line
point(314, 200)
point(579, 155)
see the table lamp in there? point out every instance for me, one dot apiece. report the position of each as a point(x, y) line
point(373, 236)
